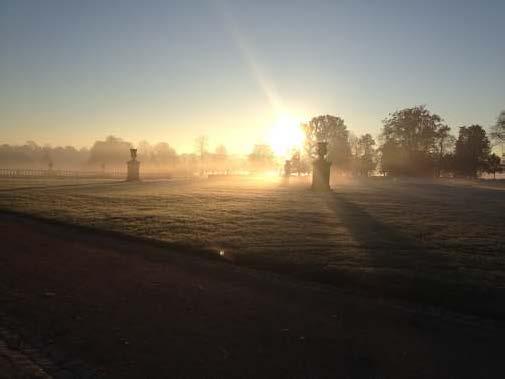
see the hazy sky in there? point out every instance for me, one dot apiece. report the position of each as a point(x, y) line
point(75, 71)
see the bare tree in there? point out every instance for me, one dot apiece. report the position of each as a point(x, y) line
point(498, 129)
point(201, 143)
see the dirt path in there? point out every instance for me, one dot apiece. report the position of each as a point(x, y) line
point(98, 305)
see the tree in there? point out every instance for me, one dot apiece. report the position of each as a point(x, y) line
point(411, 139)
point(112, 151)
point(163, 154)
point(31, 155)
point(201, 144)
point(221, 151)
point(47, 159)
point(220, 158)
point(498, 129)
point(367, 160)
point(494, 165)
point(445, 144)
point(333, 130)
point(363, 154)
point(472, 151)
point(261, 158)
point(145, 152)
point(354, 145)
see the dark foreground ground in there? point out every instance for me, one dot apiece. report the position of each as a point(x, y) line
point(95, 304)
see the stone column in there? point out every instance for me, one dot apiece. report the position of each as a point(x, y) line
point(321, 169)
point(133, 165)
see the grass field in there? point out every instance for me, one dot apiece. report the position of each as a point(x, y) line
point(436, 242)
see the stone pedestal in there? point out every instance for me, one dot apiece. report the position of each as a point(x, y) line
point(321, 170)
point(133, 170)
point(133, 165)
point(321, 175)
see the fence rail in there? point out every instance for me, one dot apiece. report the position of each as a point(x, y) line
point(36, 173)
point(39, 173)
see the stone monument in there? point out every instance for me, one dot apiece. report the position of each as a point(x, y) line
point(133, 167)
point(321, 169)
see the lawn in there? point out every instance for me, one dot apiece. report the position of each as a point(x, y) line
point(436, 242)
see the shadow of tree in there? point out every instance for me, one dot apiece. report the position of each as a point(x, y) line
point(403, 266)
point(386, 245)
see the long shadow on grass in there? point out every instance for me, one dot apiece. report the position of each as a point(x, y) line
point(406, 267)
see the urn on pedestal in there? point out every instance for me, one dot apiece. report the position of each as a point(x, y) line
point(321, 169)
point(133, 166)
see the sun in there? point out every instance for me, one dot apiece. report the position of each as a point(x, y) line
point(285, 135)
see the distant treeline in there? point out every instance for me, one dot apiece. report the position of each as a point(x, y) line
point(31, 155)
point(412, 142)
point(113, 152)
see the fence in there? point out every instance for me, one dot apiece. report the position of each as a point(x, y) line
point(39, 173)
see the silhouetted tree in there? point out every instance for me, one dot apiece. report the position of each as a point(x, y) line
point(333, 130)
point(364, 155)
point(31, 155)
point(201, 144)
point(145, 152)
point(261, 158)
point(392, 158)
point(353, 144)
point(164, 155)
point(472, 151)
point(494, 165)
point(112, 152)
point(447, 164)
point(498, 129)
point(367, 155)
point(220, 159)
point(299, 162)
point(47, 160)
point(445, 145)
point(221, 152)
point(411, 139)
point(296, 162)
point(69, 157)
point(16, 156)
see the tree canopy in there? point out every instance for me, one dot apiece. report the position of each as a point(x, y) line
point(364, 155)
point(330, 129)
point(412, 140)
point(261, 158)
point(112, 151)
point(498, 129)
point(472, 151)
point(494, 165)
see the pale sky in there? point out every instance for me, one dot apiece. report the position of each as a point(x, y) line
point(72, 72)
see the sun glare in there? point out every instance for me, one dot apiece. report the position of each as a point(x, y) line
point(285, 135)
